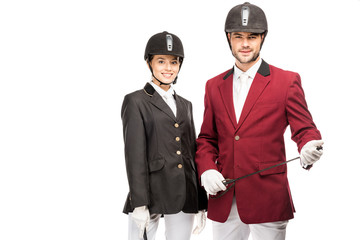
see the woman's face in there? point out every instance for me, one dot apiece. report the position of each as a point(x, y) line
point(165, 68)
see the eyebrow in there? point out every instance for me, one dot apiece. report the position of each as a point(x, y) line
point(251, 34)
point(162, 58)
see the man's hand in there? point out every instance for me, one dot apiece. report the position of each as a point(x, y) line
point(141, 217)
point(212, 181)
point(311, 152)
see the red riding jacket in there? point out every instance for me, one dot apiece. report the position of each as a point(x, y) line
point(275, 100)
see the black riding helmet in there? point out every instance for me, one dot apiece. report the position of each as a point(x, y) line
point(164, 43)
point(246, 17)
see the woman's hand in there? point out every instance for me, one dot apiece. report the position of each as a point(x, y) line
point(200, 219)
point(141, 217)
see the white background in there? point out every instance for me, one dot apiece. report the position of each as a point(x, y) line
point(65, 67)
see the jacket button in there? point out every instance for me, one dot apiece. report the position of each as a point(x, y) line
point(179, 165)
point(178, 152)
point(237, 137)
point(177, 139)
point(176, 125)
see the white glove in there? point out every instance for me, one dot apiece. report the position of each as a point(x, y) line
point(200, 222)
point(141, 217)
point(212, 181)
point(309, 153)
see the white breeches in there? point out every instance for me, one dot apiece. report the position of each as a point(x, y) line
point(177, 226)
point(235, 229)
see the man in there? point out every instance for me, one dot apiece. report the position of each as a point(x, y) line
point(247, 110)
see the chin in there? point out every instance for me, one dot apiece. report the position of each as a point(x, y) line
point(167, 80)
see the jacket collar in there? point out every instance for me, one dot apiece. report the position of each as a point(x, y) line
point(159, 102)
point(264, 70)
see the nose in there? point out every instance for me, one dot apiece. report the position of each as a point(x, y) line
point(168, 66)
point(245, 42)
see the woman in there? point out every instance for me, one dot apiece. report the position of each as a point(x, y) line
point(159, 137)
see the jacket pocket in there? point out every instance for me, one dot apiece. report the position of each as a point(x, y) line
point(156, 164)
point(275, 170)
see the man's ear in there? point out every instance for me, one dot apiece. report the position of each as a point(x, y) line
point(229, 36)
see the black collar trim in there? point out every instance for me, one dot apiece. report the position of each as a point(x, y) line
point(149, 90)
point(264, 70)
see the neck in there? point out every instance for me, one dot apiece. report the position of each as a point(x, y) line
point(246, 66)
point(162, 86)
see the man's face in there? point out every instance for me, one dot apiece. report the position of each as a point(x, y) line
point(245, 46)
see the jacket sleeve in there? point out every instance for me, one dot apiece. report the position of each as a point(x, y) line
point(302, 127)
point(135, 152)
point(207, 141)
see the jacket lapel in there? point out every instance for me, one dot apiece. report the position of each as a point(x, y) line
point(226, 92)
point(180, 108)
point(158, 101)
point(261, 80)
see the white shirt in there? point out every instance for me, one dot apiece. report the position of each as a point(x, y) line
point(168, 96)
point(241, 90)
